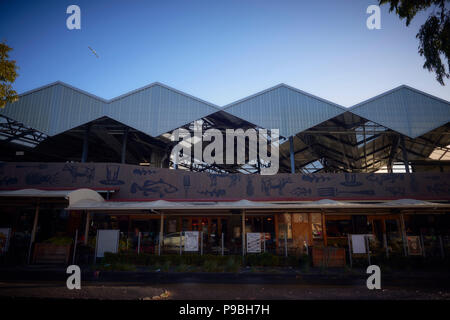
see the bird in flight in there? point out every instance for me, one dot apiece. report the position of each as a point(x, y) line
point(93, 51)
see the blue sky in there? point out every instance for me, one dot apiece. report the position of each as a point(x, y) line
point(219, 51)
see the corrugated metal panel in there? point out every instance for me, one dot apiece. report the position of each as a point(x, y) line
point(284, 108)
point(54, 108)
point(154, 110)
point(405, 110)
point(158, 109)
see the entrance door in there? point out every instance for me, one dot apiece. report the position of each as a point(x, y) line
point(301, 231)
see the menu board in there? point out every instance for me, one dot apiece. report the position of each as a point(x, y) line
point(107, 241)
point(191, 240)
point(253, 242)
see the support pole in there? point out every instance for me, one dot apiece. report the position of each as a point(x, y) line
point(124, 145)
point(161, 233)
point(402, 225)
point(139, 243)
point(33, 231)
point(84, 155)
point(75, 246)
point(264, 242)
point(223, 243)
point(181, 241)
point(350, 250)
point(201, 243)
point(86, 228)
point(291, 152)
point(442, 247)
point(243, 232)
point(422, 243)
point(386, 245)
point(285, 241)
point(368, 248)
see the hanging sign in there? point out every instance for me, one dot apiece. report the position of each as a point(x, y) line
point(253, 242)
point(191, 240)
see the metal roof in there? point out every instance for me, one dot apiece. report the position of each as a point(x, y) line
point(157, 109)
point(406, 110)
point(154, 109)
point(285, 108)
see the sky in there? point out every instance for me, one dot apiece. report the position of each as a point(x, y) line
point(219, 51)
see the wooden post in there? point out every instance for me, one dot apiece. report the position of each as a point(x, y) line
point(33, 230)
point(285, 240)
point(386, 245)
point(402, 225)
point(222, 243)
point(275, 217)
point(161, 233)
point(86, 228)
point(324, 230)
point(243, 232)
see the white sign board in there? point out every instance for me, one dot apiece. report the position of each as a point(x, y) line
point(359, 243)
point(107, 241)
point(191, 240)
point(253, 242)
point(5, 233)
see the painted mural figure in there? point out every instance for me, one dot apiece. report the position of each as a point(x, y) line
point(159, 187)
point(267, 185)
point(80, 172)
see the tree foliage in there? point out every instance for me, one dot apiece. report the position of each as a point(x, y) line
point(8, 74)
point(434, 34)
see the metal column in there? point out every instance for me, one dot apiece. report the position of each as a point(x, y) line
point(124, 145)
point(291, 151)
point(86, 143)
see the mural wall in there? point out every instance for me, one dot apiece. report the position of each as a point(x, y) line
point(139, 182)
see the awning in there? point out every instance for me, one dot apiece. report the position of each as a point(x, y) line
point(74, 196)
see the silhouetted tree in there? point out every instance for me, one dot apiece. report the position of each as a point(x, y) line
point(434, 34)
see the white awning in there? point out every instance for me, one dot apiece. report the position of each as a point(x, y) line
point(74, 196)
point(241, 204)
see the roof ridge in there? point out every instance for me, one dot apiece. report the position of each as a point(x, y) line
point(227, 106)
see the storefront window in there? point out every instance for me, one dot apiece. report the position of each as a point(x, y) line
point(316, 224)
point(338, 228)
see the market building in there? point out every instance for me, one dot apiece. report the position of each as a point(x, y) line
point(74, 163)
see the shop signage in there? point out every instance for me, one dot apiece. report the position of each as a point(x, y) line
point(253, 242)
point(191, 240)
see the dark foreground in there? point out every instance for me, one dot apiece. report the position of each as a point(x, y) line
point(335, 285)
point(204, 291)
